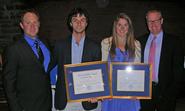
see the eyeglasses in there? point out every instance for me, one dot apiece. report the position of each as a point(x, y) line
point(154, 21)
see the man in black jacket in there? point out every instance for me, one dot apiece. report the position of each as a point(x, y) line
point(26, 77)
point(77, 48)
point(166, 61)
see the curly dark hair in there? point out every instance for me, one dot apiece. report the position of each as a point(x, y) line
point(74, 12)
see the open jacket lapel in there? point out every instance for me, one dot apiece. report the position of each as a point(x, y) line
point(30, 52)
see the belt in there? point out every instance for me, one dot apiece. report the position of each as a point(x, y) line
point(154, 83)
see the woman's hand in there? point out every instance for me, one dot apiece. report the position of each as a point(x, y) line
point(93, 100)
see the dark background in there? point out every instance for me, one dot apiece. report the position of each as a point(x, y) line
point(102, 12)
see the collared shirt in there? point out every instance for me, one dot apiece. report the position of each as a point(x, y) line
point(44, 49)
point(158, 41)
point(77, 50)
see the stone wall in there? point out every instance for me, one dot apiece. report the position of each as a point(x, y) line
point(9, 23)
point(9, 31)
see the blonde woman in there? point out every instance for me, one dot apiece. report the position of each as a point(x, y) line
point(121, 47)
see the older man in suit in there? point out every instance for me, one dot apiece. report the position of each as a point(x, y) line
point(77, 48)
point(164, 53)
point(26, 81)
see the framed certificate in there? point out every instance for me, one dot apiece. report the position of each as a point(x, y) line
point(87, 80)
point(130, 80)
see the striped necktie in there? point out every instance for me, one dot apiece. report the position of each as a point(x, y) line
point(39, 52)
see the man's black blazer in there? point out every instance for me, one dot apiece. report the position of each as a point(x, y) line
point(26, 83)
point(170, 65)
point(91, 52)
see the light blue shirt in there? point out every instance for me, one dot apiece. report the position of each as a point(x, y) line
point(44, 49)
point(77, 50)
point(158, 41)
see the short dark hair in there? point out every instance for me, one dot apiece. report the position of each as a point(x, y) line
point(74, 12)
point(34, 11)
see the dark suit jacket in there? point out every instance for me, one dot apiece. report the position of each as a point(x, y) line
point(26, 83)
point(91, 52)
point(170, 65)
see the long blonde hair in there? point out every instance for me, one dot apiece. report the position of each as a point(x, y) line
point(130, 40)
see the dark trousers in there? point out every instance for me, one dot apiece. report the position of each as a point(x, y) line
point(158, 102)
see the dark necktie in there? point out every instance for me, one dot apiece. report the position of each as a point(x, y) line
point(39, 52)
